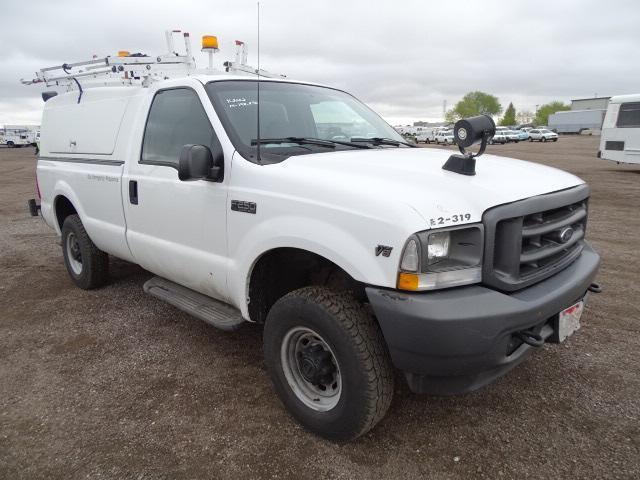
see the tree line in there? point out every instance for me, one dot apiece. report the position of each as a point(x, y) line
point(478, 103)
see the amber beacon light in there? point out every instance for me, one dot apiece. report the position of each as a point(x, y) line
point(209, 41)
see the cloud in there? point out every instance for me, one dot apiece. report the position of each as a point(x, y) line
point(403, 58)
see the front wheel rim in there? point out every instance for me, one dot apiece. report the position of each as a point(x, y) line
point(311, 369)
point(73, 253)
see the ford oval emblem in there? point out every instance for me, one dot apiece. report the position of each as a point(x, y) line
point(566, 234)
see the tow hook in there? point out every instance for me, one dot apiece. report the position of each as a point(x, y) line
point(530, 338)
point(595, 288)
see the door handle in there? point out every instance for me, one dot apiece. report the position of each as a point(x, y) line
point(133, 192)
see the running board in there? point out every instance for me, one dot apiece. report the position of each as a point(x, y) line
point(215, 313)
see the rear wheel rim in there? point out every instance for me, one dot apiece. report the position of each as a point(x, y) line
point(311, 369)
point(73, 253)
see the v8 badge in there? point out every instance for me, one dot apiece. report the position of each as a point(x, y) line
point(384, 250)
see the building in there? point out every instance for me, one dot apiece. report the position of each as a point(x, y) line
point(595, 103)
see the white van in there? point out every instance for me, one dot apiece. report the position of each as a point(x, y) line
point(620, 140)
point(425, 135)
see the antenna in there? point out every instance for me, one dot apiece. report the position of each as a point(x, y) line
point(258, 158)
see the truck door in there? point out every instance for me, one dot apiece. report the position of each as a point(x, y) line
point(176, 229)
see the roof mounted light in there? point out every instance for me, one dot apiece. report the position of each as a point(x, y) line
point(210, 45)
point(209, 42)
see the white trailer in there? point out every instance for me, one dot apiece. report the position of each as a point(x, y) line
point(620, 140)
point(576, 121)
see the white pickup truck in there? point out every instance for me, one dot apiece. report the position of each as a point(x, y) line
point(356, 252)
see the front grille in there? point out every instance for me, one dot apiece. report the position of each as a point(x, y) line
point(530, 240)
point(549, 237)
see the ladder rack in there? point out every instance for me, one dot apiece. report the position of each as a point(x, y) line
point(139, 69)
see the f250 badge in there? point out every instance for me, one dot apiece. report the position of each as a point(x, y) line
point(242, 206)
point(384, 250)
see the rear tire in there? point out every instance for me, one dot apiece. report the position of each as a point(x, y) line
point(544, 139)
point(88, 266)
point(339, 384)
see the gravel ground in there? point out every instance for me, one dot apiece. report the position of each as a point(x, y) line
point(114, 384)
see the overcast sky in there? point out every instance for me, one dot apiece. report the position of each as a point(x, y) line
point(403, 58)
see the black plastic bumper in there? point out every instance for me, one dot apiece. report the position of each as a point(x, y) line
point(458, 340)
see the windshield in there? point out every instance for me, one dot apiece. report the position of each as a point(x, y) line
point(293, 111)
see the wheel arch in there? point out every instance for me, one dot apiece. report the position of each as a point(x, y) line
point(64, 203)
point(62, 208)
point(281, 270)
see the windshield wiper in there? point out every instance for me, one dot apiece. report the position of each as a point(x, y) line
point(299, 140)
point(382, 141)
point(308, 141)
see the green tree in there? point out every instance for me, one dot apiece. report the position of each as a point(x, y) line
point(509, 116)
point(474, 103)
point(542, 115)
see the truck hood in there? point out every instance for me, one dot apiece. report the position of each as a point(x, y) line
point(367, 180)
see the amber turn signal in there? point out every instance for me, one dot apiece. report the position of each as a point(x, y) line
point(408, 281)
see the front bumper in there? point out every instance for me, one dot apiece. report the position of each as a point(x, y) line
point(458, 340)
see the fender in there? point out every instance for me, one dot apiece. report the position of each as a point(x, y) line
point(107, 232)
point(339, 246)
point(63, 189)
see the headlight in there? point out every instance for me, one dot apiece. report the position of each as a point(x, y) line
point(442, 258)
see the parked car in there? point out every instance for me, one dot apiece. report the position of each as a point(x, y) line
point(445, 137)
point(523, 135)
point(358, 255)
point(499, 137)
point(512, 136)
point(542, 135)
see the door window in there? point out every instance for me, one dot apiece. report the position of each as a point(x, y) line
point(176, 118)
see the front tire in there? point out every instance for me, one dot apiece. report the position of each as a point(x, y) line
point(87, 265)
point(328, 362)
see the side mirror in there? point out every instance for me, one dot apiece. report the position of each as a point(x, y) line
point(197, 162)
